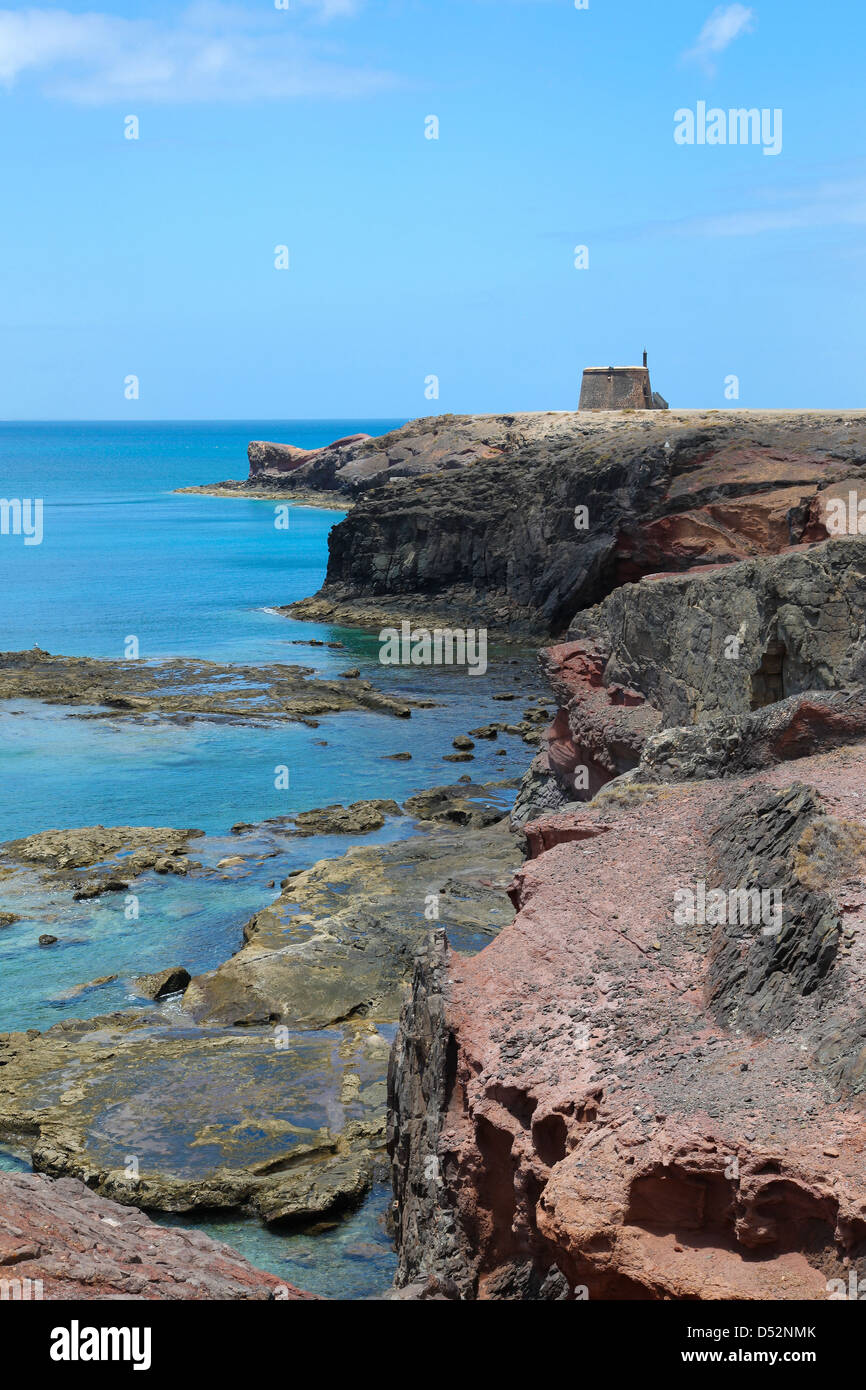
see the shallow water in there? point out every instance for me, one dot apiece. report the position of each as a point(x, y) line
point(195, 922)
point(123, 556)
point(351, 1258)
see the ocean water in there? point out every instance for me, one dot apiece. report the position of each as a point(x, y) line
point(124, 555)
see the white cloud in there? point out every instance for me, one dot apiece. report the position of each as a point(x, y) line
point(829, 203)
point(215, 52)
point(726, 23)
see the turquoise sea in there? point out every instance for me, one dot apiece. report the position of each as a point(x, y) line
point(123, 555)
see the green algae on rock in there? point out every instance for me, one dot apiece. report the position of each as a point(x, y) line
point(186, 687)
point(339, 942)
point(168, 1118)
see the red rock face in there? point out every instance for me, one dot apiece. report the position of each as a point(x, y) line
point(599, 729)
point(780, 512)
point(719, 533)
point(275, 458)
point(614, 1122)
point(70, 1243)
point(547, 831)
point(783, 510)
point(816, 723)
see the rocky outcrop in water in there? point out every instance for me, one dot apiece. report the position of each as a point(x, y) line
point(357, 819)
point(283, 1125)
point(185, 688)
point(134, 848)
point(262, 1089)
point(340, 940)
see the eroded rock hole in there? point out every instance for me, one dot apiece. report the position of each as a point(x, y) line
point(768, 682)
point(550, 1135)
point(495, 1189)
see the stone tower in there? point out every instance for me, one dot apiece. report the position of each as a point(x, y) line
point(619, 388)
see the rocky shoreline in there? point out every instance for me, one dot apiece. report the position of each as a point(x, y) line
point(578, 505)
point(622, 1095)
point(288, 1026)
point(59, 1240)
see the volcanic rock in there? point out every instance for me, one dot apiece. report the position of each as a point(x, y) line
point(340, 941)
point(70, 1243)
point(618, 1101)
point(136, 847)
point(701, 674)
point(739, 637)
point(565, 508)
point(357, 819)
point(168, 1118)
point(184, 688)
point(171, 981)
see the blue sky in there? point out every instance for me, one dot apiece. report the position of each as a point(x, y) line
point(305, 127)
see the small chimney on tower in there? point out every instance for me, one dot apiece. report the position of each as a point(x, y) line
point(644, 356)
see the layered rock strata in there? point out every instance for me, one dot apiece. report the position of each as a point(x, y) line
point(571, 506)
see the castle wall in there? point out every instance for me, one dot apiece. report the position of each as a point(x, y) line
point(616, 388)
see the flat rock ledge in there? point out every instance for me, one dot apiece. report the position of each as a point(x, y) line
point(183, 689)
point(166, 1118)
point(260, 1087)
point(340, 941)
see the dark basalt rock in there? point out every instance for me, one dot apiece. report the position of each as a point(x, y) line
point(724, 745)
point(707, 675)
point(421, 1076)
point(174, 980)
point(739, 637)
point(501, 542)
point(339, 943)
point(756, 977)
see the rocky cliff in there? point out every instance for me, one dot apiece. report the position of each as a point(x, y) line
point(541, 516)
point(618, 1100)
point(651, 1084)
point(711, 648)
